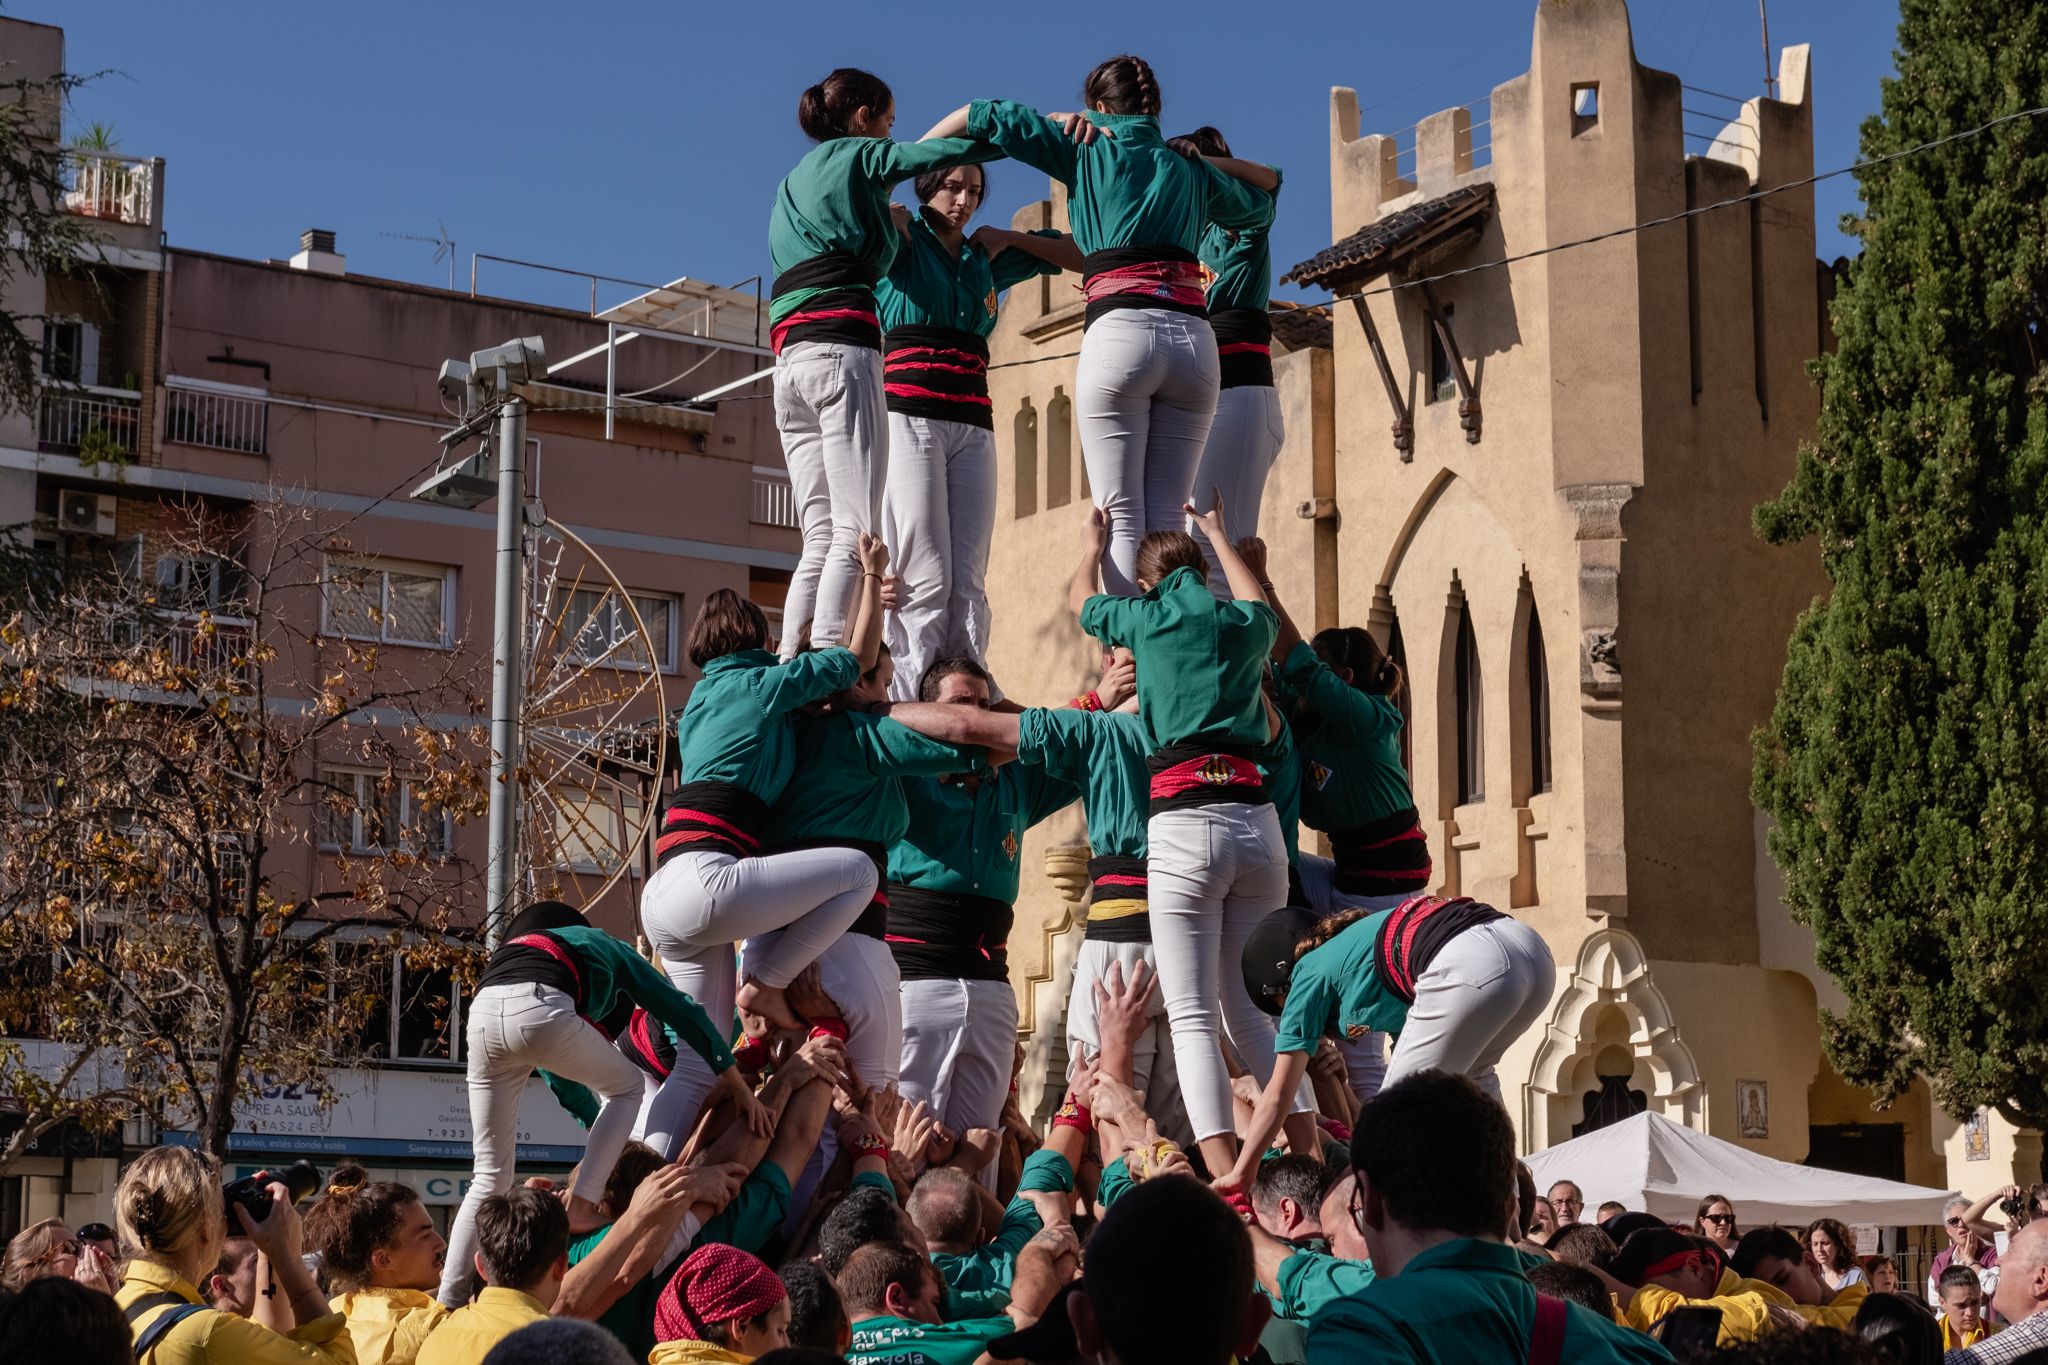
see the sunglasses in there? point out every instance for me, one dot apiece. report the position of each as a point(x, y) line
point(1953, 1222)
point(1717, 1217)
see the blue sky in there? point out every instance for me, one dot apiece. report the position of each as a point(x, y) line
point(645, 140)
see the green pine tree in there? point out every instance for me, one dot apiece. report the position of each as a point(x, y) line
point(1906, 760)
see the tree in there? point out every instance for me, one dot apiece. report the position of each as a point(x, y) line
point(38, 238)
point(169, 735)
point(1906, 760)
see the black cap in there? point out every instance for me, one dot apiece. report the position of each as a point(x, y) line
point(1049, 1339)
point(545, 915)
point(1269, 954)
point(1622, 1225)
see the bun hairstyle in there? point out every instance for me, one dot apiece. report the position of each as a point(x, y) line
point(1122, 85)
point(1161, 552)
point(1371, 670)
point(353, 1218)
point(826, 109)
point(1204, 141)
point(168, 1206)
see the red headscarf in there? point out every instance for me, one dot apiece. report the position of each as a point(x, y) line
point(715, 1283)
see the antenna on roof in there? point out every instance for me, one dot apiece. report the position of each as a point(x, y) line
point(1763, 12)
point(444, 246)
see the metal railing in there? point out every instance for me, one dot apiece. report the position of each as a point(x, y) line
point(219, 421)
point(774, 501)
point(100, 422)
point(215, 646)
point(102, 185)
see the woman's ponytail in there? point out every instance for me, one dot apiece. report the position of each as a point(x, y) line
point(826, 110)
point(1355, 649)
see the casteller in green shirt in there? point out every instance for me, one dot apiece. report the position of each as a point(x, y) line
point(1200, 661)
point(1337, 990)
point(1462, 1301)
point(978, 1282)
point(883, 1340)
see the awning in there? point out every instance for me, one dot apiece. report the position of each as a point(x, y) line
point(1397, 239)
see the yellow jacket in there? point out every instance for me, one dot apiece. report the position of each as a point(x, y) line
point(694, 1353)
point(467, 1335)
point(388, 1326)
point(1838, 1312)
point(1745, 1315)
point(1952, 1340)
point(209, 1337)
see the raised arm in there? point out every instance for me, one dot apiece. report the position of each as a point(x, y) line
point(1252, 551)
point(866, 638)
point(952, 125)
point(1244, 585)
point(1094, 535)
point(1266, 1120)
point(1257, 175)
point(964, 726)
point(1053, 248)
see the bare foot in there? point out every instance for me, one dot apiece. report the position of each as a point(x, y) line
point(767, 1002)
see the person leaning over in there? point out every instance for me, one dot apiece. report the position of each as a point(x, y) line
point(172, 1221)
point(1662, 1270)
point(1773, 1257)
point(522, 1253)
point(1447, 1288)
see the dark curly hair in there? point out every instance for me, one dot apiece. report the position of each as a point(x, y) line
point(354, 1218)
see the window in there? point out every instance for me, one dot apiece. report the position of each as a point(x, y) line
point(361, 985)
point(71, 351)
point(1443, 378)
point(597, 621)
point(427, 1014)
point(590, 829)
point(1585, 107)
point(1538, 665)
point(1471, 714)
point(366, 812)
point(1397, 650)
point(196, 582)
point(400, 604)
point(1059, 450)
point(1026, 430)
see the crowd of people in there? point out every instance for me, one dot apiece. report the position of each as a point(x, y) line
point(1282, 1137)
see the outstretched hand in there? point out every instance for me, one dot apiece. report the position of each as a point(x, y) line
point(1095, 531)
point(874, 555)
point(1211, 521)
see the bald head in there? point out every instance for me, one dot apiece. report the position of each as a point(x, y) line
point(946, 1207)
point(2023, 1274)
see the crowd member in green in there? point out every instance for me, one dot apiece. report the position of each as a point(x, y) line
point(1435, 1163)
point(714, 883)
point(1145, 384)
point(952, 885)
point(938, 306)
point(894, 1298)
point(1456, 980)
point(831, 237)
point(537, 1004)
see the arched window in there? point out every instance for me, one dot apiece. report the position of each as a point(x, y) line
point(1537, 665)
point(1397, 650)
point(1027, 460)
point(1059, 450)
point(1471, 712)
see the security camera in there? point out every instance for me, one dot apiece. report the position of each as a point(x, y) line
point(455, 379)
point(517, 359)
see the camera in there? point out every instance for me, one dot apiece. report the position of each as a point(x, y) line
point(518, 358)
point(252, 1192)
point(455, 380)
point(2013, 1204)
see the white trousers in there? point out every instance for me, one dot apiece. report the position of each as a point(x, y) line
point(697, 905)
point(959, 1048)
point(1153, 1073)
point(1482, 991)
point(1213, 873)
point(835, 440)
point(1243, 442)
point(1365, 1057)
point(938, 514)
point(1144, 396)
point(512, 1030)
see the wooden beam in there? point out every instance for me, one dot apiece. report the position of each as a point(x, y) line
point(1404, 426)
point(1468, 397)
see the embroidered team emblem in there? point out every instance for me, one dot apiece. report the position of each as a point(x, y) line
point(1010, 846)
point(1216, 771)
point(1318, 774)
point(1208, 279)
point(1356, 1031)
point(990, 303)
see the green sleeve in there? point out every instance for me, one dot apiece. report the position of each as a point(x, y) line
point(1024, 134)
point(754, 1214)
point(807, 678)
point(1043, 795)
point(1112, 620)
point(1234, 204)
point(1011, 266)
point(577, 1099)
point(890, 163)
point(1346, 710)
point(1046, 1172)
point(1308, 1280)
point(962, 1304)
point(685, 1018)
point(1056, 741)
point(1311, 1003)
point(1116, 1182)
point(895, 750)
point(874, 1180)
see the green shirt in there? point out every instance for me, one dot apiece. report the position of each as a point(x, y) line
point(837, 199)
point(1128, 189)
point(1337, 989)
point(1200, 661)
point(755, 1213)
point(1103, 752)
point(631, 1319)
point(610, 971)
point(1350, 747)
point(978, 1282)
point(1282, 762)
point(850, 790)
point(737, 728)
point(924, 1343)
point(1462, 1301)
point(1312, 1279)
point(969, 841)
point(1241, 259)
point(930, 285)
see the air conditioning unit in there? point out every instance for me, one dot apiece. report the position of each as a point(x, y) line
point(86, 514)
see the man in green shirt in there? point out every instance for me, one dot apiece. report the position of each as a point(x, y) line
point(893, 1296)
point(1435, 1163)
point(946, 1206)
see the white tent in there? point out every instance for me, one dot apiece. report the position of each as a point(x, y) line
point(1652, 1164)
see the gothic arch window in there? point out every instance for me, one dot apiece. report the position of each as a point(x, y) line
point(1059, 450)
point(1026, 431)
point(1529, 704)
point(1542, 773)
point(1397, 650)
point(1469, 711)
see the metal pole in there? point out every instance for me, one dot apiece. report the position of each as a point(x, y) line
point(611, 375)
point(1763, 13)
point(508, 670)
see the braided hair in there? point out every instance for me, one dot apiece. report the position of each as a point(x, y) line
point(1354, 649)
point(1326, 929)
point(1122, 85)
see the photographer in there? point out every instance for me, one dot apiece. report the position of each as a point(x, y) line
point(172, 1220)
point(1970, 1243)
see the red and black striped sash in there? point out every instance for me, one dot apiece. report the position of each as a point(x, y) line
point(714, 817)
point(937, 372)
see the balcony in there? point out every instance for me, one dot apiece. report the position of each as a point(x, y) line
point(90, 422)
point(216, 416)
point(114, 189)
point(774, 500)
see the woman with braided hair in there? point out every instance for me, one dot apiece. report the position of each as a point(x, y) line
point(1145, 386)
point(1456, 982)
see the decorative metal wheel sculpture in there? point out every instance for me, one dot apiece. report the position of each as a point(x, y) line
point(592, 723)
